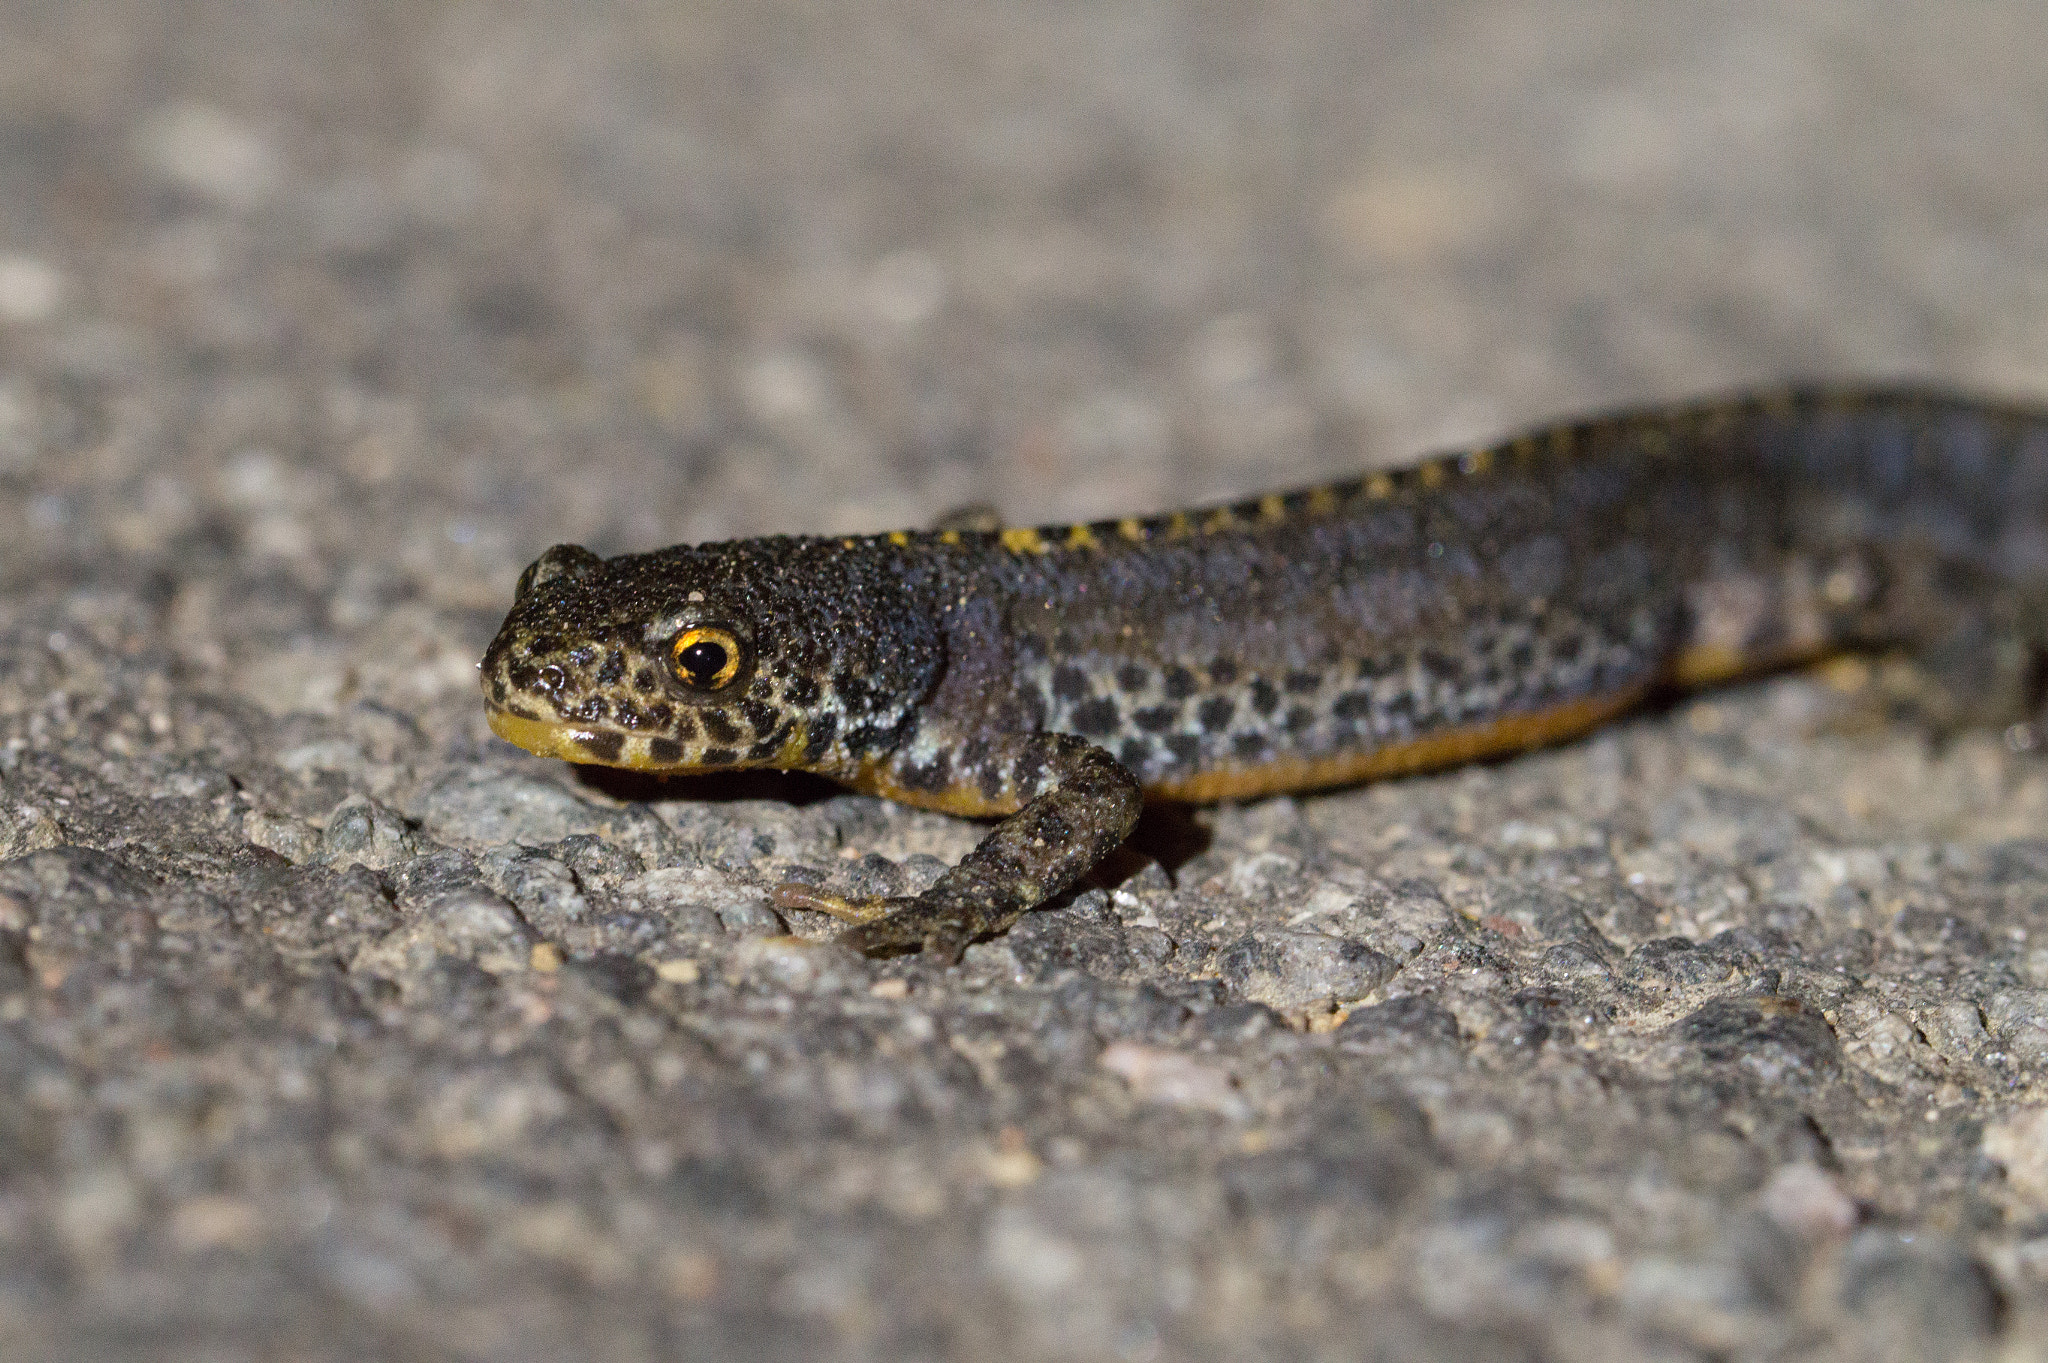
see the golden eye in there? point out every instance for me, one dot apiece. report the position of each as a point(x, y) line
point(706, 659)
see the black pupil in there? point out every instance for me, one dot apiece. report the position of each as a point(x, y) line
point(702, 661)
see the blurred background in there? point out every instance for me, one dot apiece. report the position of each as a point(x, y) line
point(635, 273)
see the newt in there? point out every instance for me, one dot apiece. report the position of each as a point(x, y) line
point(1475, 604)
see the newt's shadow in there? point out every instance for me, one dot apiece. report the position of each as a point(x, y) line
point(1166, 833)
point(713, 787)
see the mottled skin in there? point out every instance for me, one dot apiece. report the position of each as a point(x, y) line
point(1477, 603)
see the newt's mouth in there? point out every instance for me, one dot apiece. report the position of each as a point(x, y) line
point(649, 752)
point(563, 741)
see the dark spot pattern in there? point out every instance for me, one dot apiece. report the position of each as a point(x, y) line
point(1353, 706)
point(1096, 718)
point(991, 780)
point(823, 730)
point(1504, 665)
point(604, 747)
point(1156, 719)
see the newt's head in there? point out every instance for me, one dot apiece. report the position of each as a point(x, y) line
point(801, 654)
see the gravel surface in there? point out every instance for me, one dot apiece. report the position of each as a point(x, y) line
point(333, 1028)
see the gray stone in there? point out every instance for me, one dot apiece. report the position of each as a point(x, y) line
point(466, 925)
point(1296, 970)
point(361, 830)
point(2019, 1019)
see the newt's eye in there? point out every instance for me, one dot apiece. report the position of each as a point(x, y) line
point(705, 659)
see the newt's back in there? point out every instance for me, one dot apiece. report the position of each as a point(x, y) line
point(1493, 599)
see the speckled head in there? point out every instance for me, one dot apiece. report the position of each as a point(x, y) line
point(802, 654)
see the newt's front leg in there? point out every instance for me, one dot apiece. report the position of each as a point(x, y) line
point(1079, 806)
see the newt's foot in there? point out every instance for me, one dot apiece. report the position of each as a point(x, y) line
point(936, 928)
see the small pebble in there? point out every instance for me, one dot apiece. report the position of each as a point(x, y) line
point(211, 153)
point(30, 289)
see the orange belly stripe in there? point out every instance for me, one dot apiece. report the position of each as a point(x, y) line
point(1447, 748)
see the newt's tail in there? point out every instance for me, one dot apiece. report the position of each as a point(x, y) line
point(1961, 479)
point(1900, 516)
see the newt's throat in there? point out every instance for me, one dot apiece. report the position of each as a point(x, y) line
point(653, 753)
point(599, 747)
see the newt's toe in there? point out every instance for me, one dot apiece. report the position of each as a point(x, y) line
point(791, 894)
